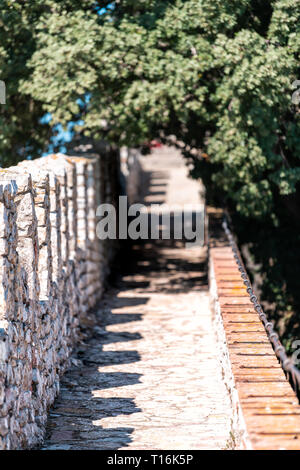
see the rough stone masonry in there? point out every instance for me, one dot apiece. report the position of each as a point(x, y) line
point(52, 273)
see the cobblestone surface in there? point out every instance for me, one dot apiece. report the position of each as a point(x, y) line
point(149, 378)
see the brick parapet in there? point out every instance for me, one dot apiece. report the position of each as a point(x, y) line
point(265, 409)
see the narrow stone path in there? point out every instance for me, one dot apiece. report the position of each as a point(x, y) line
point(149, 378)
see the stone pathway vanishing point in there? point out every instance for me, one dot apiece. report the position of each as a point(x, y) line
point(149, 378)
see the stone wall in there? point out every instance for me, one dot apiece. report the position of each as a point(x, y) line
point(131, 169)
point(53, 269)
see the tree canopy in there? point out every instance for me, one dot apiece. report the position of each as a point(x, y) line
point(213, 77)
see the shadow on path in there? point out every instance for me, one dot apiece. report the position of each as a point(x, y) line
point(74, 421)
point(117, 364)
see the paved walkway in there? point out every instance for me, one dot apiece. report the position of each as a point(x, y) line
point(149, 378)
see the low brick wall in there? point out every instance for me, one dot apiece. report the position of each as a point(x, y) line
point(52, 273)
point(266, 413)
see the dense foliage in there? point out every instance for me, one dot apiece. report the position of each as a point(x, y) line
point(21, 131)
point(216, 76)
